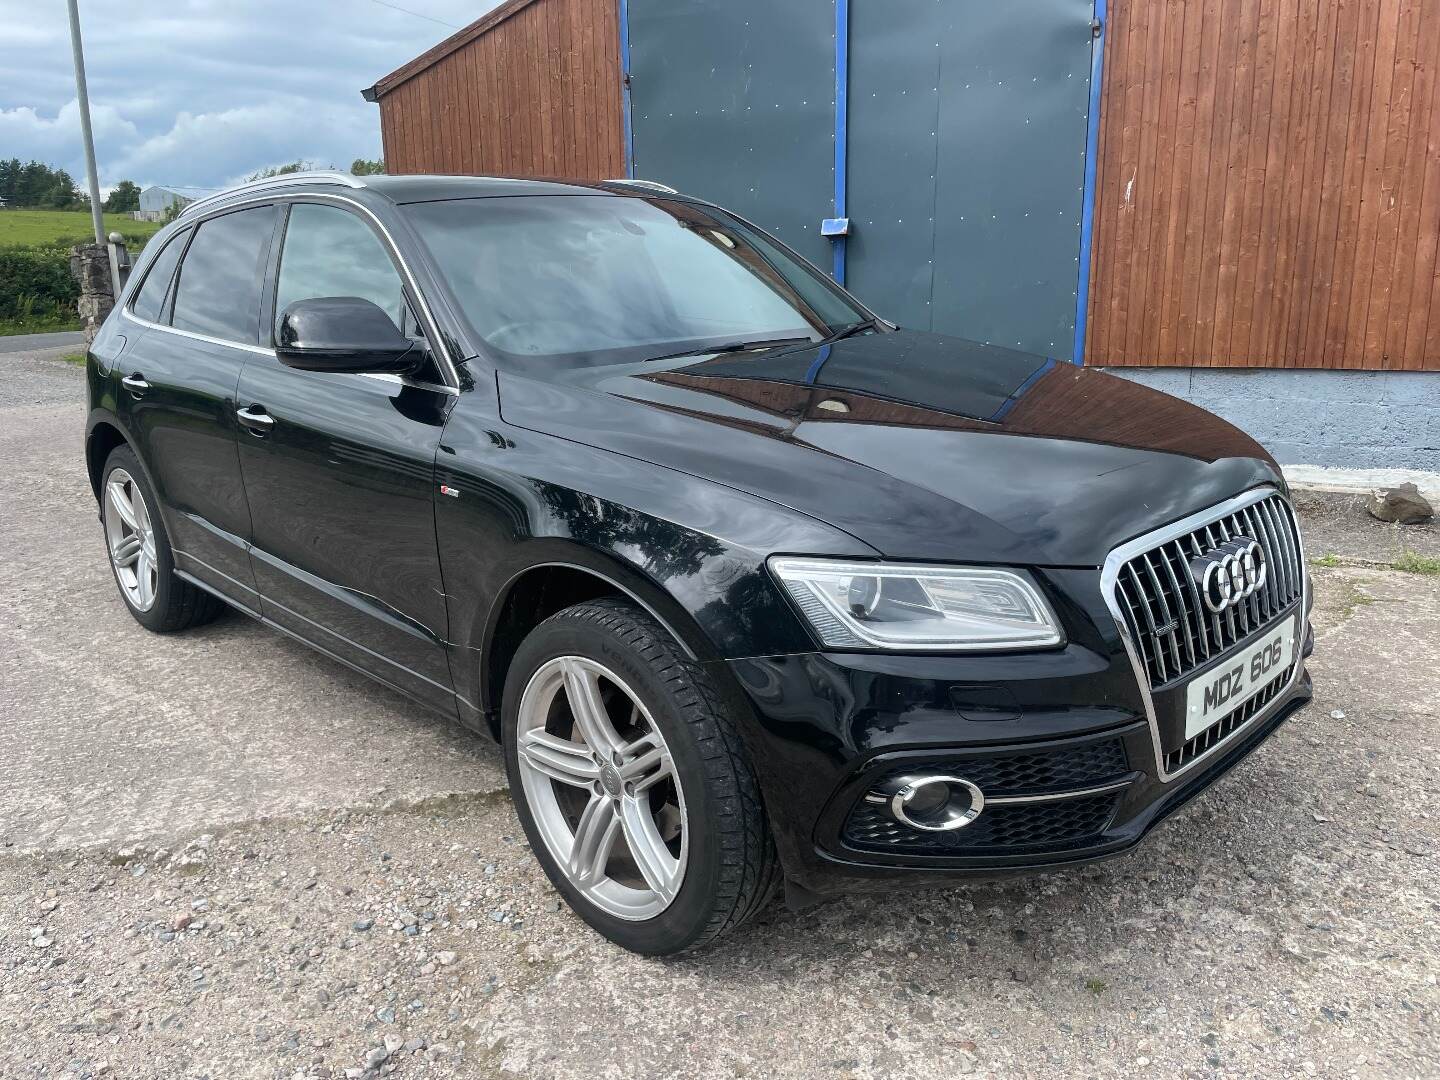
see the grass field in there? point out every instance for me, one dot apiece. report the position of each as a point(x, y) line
point(37, 295)
point(38, 324)
point(65, 228)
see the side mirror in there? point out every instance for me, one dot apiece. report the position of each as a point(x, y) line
point(344, 333)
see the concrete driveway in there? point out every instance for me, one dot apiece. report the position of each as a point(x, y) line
point(224, 856)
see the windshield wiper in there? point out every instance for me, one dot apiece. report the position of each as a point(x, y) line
point(847, 331)
point(734, 346)
point(771, 343)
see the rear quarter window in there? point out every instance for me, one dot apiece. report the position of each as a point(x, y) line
point(151, 297)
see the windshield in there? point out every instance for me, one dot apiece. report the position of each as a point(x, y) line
point(607, 279)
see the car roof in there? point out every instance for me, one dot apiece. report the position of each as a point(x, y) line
point(426, 188)
point(410, 189)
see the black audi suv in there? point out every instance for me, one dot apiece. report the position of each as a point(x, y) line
point(756, 589)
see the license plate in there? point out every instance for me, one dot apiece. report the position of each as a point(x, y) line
point(1234, 682)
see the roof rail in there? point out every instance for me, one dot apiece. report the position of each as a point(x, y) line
point(653, 185)
point(284, 180)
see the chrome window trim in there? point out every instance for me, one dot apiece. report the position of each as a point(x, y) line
point(1109, 576)
point(316, 176)
point(448, 367)
point(405, 380)
point(418, 384)
point(648, 185)
point(130, 315)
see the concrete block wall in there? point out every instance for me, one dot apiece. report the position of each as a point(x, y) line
point(1341, 419)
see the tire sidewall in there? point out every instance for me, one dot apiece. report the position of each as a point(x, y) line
point(153, 617)
point(689, 914)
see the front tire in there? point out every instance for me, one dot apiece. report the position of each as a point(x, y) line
point(140, 554)
point(631, 782)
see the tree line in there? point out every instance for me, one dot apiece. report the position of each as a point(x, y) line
point(358, 167)
point(35, 185)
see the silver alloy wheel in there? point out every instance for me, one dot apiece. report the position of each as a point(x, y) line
point(602, 788)
point(131, 540)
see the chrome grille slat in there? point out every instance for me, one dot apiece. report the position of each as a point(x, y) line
point(1179, 601)
point(1262, 595)
point(1259, 614)
point(1272, 532)
point(1168, 638)
point(1142, 641)
point(1272, 606)
point(1154, 592)
point(1197, 609)
point(1242, 609)
point(1282, 553)
point(1229, 617)
point(1153, 631)
point(1216, 629)
point(1288, 539)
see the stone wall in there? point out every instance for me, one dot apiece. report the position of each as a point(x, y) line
point(90, 266)
point(1344, 419)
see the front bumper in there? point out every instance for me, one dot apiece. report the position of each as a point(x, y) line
point(831, 727)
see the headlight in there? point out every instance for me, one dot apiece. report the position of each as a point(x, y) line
point(880, 606)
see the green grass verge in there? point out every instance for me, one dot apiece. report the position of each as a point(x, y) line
point(65, 228)
point(38, 324)
point(76, 358)
point(1414, 563)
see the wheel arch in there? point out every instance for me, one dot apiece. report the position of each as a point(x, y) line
point(101, 439)
point(554, 581)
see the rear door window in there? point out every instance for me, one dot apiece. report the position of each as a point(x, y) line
point(218, 293)
point(151, 298)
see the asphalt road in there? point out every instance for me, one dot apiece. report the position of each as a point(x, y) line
point(28, 343)
point(224, 856)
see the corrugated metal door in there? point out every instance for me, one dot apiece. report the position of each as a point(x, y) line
point(735, 102)
point(967, 126)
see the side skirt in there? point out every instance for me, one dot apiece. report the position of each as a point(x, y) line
point(429, 706)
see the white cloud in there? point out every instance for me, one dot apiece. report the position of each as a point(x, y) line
point(24, 133)
point(228, 144)
point(202, 92)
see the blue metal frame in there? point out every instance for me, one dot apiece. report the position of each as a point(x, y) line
point(1087, 207)
point(625, 88)
point(842, 108)
point(813, 371)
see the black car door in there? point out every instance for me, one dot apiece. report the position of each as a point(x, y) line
point(192, 333)
point(339, 473)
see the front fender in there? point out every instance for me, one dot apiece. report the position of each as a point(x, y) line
point(690, 550)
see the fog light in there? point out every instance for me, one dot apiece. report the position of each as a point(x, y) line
point(931, 803)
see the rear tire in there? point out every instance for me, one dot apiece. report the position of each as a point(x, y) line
point(670, 780)
point(140, 555)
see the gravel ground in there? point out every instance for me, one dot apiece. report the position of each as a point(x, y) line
point(222, 856)
point(1338, 526)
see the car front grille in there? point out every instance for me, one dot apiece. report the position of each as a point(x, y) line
point(1036, 773)
point(1173, 631)
point(1181, 756)
point(998, 831)
point(1049, 822)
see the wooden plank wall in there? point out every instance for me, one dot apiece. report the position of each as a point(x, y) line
point(1268, 190)
point(538, 94)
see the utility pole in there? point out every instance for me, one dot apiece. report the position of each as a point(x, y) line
point(84, 101)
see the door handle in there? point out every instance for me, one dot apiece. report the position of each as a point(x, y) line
point(256, 420)
point(136, 384)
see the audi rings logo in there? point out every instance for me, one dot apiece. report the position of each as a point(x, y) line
point(1230, 573)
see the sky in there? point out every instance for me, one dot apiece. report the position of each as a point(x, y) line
point(202, 93)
